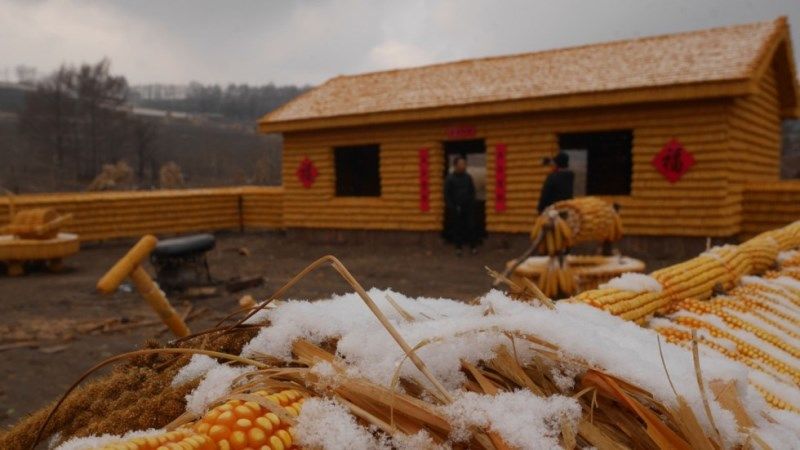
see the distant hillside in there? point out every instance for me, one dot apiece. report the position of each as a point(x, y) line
point(212, 149)
point(208, 154)
point(237, 102)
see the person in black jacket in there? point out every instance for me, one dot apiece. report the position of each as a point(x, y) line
point(459, 196)
point(558, 184)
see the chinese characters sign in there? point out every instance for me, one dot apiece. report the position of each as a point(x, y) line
point(461, 132)
point(307, 172)
point(673, 161)
point(500, 177)
point(424, 180)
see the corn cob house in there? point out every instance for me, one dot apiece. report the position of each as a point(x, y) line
point(673, 128)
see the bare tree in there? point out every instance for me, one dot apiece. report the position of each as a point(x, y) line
point(102, 122)
point(145, 134)
point(49, 115)
point(77, 114)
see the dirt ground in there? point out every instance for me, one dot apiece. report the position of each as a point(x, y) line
point(55, 310)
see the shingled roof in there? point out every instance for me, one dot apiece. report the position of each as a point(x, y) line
point(707, 63)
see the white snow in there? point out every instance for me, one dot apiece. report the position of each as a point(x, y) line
point(327, 425)
point(745, 336)
point(634, 282)
point(522, 419)
point(784, 434)
point(197, 367)
point(217, 383)
point(784, 391)
point(787, 255)
point(787, 282)
point(456, 331)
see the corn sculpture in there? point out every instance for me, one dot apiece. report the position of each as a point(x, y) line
point(34, 236)
point(262, 422)
point(565, 224)
point(36, 223)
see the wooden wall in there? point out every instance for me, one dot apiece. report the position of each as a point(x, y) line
point(105, 215)
point(703, 203)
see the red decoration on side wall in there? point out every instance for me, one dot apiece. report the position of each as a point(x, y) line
point(307, 172)
point(461, 132)
point(673, 161)
point(500, 177)
point(424, 180)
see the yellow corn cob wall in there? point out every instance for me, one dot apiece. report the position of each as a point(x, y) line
point(104, 215)
point(769, 205)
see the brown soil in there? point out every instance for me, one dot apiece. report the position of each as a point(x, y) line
point(51, 308)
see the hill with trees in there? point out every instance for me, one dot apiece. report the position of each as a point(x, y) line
point(58, 131)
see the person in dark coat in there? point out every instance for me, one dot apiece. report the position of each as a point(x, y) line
point(459, 196)
point(558, 184)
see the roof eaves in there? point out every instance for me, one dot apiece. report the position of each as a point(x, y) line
point(693, 91)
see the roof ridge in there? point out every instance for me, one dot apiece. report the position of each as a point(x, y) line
point(775, 22)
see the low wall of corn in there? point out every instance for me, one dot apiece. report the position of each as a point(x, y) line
point(105, 215)
point(766, 206)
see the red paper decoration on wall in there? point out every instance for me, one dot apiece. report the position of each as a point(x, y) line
point(307, 172)
point(461, 132)
point(424, 180)
point(500, 177)
point(673, 161)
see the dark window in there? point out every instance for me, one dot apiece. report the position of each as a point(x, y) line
point(358, 171)
point(602, 162)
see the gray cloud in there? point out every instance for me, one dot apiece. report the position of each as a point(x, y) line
point(310, 41)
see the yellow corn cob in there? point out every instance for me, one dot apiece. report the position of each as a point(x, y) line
point(590, 218)
point(234, 425)
point(537, 228)
point(237, 424)
point(558, 243)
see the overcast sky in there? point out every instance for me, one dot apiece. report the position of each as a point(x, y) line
point(299, 42)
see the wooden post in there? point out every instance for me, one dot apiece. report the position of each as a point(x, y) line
point(158, 301)
point(129, 266)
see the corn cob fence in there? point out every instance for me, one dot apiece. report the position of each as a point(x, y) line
point(766, 206)
point(105, 215)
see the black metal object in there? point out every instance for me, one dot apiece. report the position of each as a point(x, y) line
point(181, 262)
